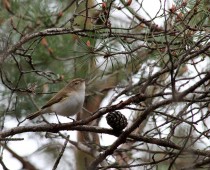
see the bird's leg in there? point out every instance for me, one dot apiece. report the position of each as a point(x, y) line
point(87, 111)
point(57, 118)
point(71, 118)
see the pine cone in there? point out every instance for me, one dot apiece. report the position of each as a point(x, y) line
point(116, 120)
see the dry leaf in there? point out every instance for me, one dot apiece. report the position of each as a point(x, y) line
point(88, 43)
point(44, 42)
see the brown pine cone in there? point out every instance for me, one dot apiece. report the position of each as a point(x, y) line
point(116, 120)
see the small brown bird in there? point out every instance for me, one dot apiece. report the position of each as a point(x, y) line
point(67, 102)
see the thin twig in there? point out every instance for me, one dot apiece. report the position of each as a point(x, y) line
point(60, 154)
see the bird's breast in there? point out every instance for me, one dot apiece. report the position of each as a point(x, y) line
point(70, 105)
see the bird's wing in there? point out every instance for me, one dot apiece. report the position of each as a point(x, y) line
point(61, 95)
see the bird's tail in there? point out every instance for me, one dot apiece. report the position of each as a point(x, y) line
point(34, 115)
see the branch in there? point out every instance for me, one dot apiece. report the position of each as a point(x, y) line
point(195, 86)
point(60, 154)
point(27, 37)
point(198, 164)
point(151, 25)
point(67, 126)
point(25, 163)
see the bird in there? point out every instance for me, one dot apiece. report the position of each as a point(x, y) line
point(67, 102)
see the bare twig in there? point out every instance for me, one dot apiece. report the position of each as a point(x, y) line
point(60, 154)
